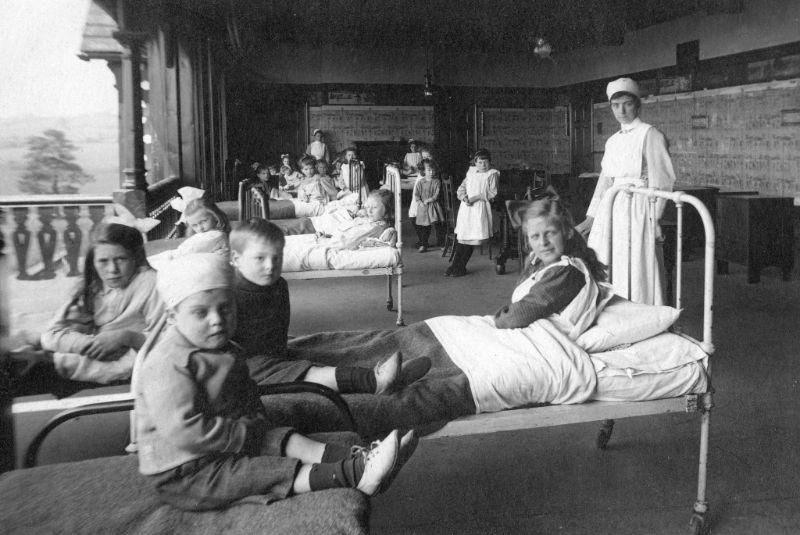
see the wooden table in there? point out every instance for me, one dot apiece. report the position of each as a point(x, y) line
point(757, 231)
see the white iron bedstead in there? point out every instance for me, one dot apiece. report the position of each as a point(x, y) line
point(392, 184)
point(553, 415)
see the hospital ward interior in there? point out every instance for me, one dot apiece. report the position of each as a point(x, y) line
point(404, 267)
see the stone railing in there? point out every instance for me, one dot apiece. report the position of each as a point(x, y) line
point(46, 233)
point(42, 231)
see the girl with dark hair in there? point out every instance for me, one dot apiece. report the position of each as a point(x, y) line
point(95, 336)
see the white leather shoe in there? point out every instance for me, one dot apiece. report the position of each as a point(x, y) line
point(387, 372)
point(379, 463)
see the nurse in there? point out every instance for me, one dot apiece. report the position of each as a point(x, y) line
point(638, 155)
point(318, 148)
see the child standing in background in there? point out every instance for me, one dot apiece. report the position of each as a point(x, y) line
point(203, 438)
point(426, 195)
point(474, 221)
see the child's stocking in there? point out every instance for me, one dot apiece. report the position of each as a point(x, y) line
point(355, 380)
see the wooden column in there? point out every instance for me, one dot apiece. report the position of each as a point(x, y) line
point(132, 129)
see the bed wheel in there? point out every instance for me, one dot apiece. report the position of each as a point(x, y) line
point(697, 524)
point(500, 269)
point(604, 435)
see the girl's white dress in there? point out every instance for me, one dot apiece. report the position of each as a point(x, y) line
point(636, 155)
point(474, 223)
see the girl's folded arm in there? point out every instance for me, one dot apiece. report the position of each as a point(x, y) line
point(554, 291)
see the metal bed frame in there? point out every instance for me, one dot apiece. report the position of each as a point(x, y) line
point(553, 415)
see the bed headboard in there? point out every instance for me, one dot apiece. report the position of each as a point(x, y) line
point(656, 200)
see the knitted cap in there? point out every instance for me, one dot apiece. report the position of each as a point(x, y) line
point(192, 273)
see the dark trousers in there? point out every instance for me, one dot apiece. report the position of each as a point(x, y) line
point(424, 402)
point(260, 475)
point(423, 233)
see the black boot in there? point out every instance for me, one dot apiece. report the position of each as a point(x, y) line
point(458, 266)
point(461, 269)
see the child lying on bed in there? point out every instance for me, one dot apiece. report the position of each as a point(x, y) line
point(262, 296)
point(524, 353)
point(203, 439)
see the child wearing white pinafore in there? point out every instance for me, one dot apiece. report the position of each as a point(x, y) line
point(474, 221)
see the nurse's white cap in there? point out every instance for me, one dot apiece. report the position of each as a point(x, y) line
point(625, 85)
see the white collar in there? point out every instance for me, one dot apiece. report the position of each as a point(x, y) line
point(625, 128)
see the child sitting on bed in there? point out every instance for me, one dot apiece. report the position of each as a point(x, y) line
point(315, 188)
point(371, 227)
point(210, 226)
point(203, 438)
point(262, 296)
point(348, 182)
point(95, 335)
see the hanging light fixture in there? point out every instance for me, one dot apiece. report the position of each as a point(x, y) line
point(542, 48)
point(427, 88)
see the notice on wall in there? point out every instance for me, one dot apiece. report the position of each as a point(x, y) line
point(736, 138)
point(344, 125)
point(521, 138)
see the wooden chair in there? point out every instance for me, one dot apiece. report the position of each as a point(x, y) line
point(252, 201)
point(449, 206)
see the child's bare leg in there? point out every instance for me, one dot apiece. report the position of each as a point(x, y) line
point(322, 375)
point(302, 480)
point(303, 448)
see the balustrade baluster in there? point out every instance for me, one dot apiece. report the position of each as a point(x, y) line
point(47, 241)
point(72, 239)
point(21, 237)
point(96, 214)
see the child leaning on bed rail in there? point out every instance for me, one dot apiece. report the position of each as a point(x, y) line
point(203, 438)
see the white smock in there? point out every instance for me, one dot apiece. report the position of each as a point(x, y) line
point(474, 223)
point(636, 155)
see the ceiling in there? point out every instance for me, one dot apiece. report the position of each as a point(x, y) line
point(496, 26)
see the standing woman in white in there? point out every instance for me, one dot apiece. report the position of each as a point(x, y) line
point(318, 148)
point(638, 154)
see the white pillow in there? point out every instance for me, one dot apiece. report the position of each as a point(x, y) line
point(660, 353)
point(625, 322)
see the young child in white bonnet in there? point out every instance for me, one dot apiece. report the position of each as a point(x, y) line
point(202, 435)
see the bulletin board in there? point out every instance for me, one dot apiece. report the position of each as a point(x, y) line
point(520, 138)
point(343, 125)
point(736, 138)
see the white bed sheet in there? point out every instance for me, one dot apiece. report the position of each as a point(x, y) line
point(303, 253)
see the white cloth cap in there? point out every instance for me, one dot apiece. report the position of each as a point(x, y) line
point(188, 274)
point(623, 84)
point(316, 130)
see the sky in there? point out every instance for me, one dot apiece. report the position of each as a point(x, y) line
point(40, 73)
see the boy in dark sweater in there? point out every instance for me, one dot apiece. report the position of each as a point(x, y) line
point(262, 300)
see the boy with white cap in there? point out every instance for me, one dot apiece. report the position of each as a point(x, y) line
point(203, 439)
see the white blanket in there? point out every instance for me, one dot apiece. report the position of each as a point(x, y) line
point(509, 368)
point(304, 253)
point(315, 208)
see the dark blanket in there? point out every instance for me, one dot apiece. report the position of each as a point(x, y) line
point(109, 495)
point(281, 209)
point(357, 348)
point(291, 227)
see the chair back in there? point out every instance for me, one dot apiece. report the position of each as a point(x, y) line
point(253, 200)
point(449, 202)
